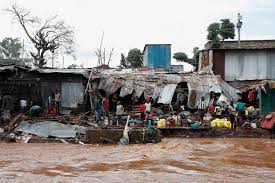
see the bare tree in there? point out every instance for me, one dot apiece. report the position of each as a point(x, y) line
point(47, 36)
point(101, 54)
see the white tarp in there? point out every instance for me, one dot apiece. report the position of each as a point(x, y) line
point(196, 92)
point(157, 91)
point(166, 95)
point(127, 88)
point(204, 87)
point(138, 90)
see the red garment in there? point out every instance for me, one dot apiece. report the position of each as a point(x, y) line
point(142, 108)
point(251, 96)
point(211, 108)
point(52, 109)
point(107, 104)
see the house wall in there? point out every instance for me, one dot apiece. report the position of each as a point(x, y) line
point(70, 86)
point(16, 84)
point(219, 63)
point(157, 56)
point(249, 65)
point(72, 94)
point(145, 57)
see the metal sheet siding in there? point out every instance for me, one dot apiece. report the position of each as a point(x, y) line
point(271, 66)
point(72, 94)
point(145, 57)
point(158, 56)
point(249, 65)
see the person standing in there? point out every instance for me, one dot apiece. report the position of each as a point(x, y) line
point(106, 108)
point(6, 108)
point(119, 113)
point(98, 110)
point(148, 106)
point(142, 110)
point(232, 115)
point(51, 103)
point(23, 105)
point(201, 107)
point(57, 101)
point(240, 107)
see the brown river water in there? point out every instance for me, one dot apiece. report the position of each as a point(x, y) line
point(172, 160)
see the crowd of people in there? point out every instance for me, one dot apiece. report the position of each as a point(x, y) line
point(236, 112)
point(8, 105)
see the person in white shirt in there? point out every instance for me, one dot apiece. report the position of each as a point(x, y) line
point(23, 105)
point(201, 107)
point(147, 105)
point(119, 113)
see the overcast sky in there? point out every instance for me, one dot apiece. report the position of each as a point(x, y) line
point(133, 23)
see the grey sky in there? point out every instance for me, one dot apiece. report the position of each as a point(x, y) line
point(133, 23)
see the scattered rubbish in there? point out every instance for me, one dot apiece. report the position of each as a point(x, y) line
point(23, 138)
point(81, 143)
point(64, 141)
point(268, 122)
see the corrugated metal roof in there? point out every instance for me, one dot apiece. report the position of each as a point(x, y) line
point(83, 72)
point(245, 45)
point(150, 81)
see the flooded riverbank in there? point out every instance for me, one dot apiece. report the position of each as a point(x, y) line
point(172, 160)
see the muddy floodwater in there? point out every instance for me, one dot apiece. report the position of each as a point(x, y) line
point(172, 160)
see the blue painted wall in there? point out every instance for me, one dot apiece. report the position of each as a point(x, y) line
point(157, 56)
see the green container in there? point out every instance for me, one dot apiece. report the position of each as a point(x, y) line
point(195, 126)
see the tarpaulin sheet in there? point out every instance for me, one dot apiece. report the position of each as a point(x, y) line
point(118, 83)
point(199, 87)
point(196, 92)
point(48, 128)
point(157, 91)
point(127, 88)
point(138, 90)
point(229, 92)
point(105, 84)
point(149, 89)
point(167, 93)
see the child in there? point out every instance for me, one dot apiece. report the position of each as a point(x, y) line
point(119, 112)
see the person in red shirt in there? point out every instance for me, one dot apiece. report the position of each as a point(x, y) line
point(106, 108)
point(251, 96)
point(142, 110)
